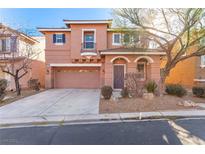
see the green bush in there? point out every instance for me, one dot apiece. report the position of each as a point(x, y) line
point(125, 92)
point(106, 92)
point(3, 86)
point(151, 86)
point(175, 89)
point(198, 91)
point(34, 84)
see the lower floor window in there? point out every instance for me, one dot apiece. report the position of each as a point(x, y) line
point(141, 70)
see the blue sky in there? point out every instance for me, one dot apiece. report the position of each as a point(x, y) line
point(32, 18)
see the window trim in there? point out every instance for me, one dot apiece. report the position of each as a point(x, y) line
point(87, 30)
point(83, 37)
point(113, 36)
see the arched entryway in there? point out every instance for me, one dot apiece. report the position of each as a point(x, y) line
point(119, 70)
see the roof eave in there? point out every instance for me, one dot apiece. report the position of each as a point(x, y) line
point(29, 38)
point(53, 29)
point(21, 34)
point(132, 53)
point(121, 29)
point(87, 21)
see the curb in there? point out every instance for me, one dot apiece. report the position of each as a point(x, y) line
point(83, 119)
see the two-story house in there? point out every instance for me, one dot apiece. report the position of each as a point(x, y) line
point(90, 54)
point(14, 46)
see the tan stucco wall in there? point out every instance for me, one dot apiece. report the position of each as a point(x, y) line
point(183, 73)
point(186, 71)
point(110, 41)
point(57, 53)
point(153, 69)
point(76, 37)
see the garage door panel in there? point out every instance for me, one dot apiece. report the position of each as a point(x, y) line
point(77, 79)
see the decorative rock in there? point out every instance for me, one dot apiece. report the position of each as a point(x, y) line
point(7, 97)
point(148, 96)
point(116, 94)
point(101, 96)
point(187, 103)
point(114, 98)
point(180, 103)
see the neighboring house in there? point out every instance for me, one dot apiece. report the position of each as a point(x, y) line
point(90, 54)
point(38, 65)
point(13, 46)
point(189, 73)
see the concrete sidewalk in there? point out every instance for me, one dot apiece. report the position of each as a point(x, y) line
point(74, 119)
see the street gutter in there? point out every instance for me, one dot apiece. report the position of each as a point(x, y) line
point(98, 118)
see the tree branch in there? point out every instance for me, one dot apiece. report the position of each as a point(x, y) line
point(23, 74)
point(8, 72)
point(199, 52)
point(165, 19)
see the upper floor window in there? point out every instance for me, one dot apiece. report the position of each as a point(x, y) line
point(58, 38)
point(5, 45)
point(89, 41)
point(203, 60)
point(89, 37)
point(116, 39)
point(126, 38)
point(130, 39)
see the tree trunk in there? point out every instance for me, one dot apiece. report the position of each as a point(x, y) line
point(18, 88)
point(162, 84)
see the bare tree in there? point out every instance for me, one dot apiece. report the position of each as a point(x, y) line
point(133, 84)
point(174, 31)
point(16, 61)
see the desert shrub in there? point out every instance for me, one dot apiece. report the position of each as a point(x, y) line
point(175, 89)
point(3, 86)
point(125, 92)
point(151, 86)
point(198, 91)
point(133, 84)
point(34, 84)
point(106, 92)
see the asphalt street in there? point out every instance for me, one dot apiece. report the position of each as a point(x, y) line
point(148, 132)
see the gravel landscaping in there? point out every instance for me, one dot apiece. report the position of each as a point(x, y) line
point(11, 96)
point(166, 102)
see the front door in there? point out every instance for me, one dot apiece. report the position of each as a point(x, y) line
point(119, 76)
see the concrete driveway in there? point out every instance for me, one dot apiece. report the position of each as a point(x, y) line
point(55, 102)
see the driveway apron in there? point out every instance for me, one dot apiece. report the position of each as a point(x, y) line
point(55, 102)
